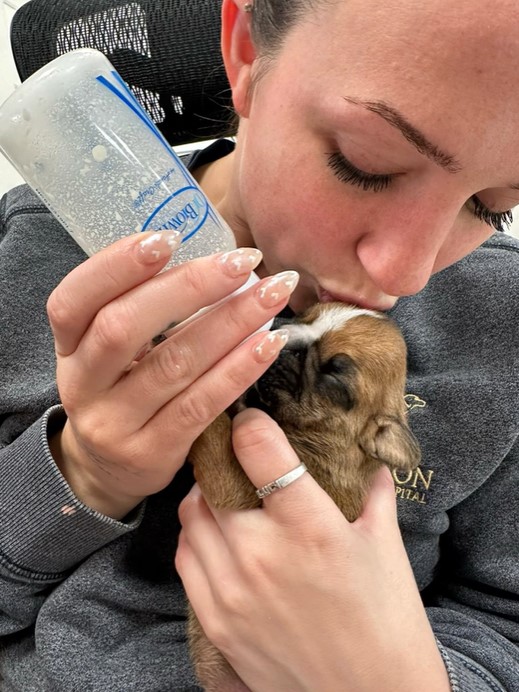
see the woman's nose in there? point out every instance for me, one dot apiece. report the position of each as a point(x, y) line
point(400, 255)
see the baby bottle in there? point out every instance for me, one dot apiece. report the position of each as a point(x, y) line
point(81, 140)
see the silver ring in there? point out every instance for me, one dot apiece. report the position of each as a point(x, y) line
point(281, 482)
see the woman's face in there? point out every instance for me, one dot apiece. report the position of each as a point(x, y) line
point(382, 145)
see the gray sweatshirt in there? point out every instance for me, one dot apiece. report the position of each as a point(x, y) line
point(89, 604)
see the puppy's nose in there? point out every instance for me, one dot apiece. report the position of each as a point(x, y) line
point(285, 373)
point(293, 355)
point(282, 321)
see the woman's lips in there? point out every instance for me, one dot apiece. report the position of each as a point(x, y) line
point(325, 296)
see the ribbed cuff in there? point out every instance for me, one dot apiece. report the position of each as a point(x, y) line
point(465, 675)
point(44, 529)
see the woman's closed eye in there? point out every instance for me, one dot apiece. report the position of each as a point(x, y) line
point(347, 172)
point(501, 221)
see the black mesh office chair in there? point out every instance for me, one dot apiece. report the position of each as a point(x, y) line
point(168, 51)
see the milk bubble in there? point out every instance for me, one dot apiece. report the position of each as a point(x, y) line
point(99, 153)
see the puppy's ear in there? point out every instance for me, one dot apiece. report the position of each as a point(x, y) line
point(391, 442)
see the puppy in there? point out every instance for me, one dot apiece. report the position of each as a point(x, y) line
point(337, 391)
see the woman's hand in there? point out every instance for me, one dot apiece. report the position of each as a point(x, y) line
point(297, 598)
point(133, 412)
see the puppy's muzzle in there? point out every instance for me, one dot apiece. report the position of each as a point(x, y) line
point(286, 374)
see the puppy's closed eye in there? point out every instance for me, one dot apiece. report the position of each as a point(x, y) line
point(336, 380)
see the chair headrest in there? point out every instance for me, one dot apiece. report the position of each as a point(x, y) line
point(168, 52)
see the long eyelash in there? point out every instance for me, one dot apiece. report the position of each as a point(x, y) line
point(501, 221)
point(348, 173)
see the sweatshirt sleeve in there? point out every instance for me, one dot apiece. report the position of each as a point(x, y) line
point(44, 529)
point(474, 608)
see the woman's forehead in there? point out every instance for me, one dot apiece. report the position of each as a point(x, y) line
point(443, 65)
point(462, 12)
point(428, 23)
point(468, 49)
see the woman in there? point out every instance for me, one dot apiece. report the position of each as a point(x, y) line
point(377, 146)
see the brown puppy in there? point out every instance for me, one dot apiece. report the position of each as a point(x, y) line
point(337, 390)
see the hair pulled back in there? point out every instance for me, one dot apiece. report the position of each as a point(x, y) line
point(272, 20)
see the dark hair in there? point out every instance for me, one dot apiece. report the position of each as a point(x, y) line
point(272, 20)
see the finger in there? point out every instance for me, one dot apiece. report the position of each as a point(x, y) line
point(102, 278)
point(176, 363)
point(196, 584)
point(265, 455)
point(380, 505)
point(252, 280)
point(190, 412)
point(120, 329)
point(202, 534)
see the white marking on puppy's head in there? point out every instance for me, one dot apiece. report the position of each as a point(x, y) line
point(304, 334)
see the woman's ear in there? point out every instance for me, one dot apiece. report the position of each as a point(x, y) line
point(238, 52)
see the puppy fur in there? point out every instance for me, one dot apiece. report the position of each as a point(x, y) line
point(337, 390)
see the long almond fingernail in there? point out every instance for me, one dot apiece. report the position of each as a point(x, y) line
point(158, 246)
point(241, 261)
point(270, 345)
point(277, 288)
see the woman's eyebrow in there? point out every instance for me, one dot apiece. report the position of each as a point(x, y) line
point(411, 133)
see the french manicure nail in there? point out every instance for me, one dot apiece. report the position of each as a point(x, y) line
point(270, 345)
point(158, 246)
point(277, 288)
point(241, 261)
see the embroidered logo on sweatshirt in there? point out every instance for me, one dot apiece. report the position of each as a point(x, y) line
point(413, 485)
point(412, 401)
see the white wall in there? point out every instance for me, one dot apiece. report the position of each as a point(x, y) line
point(9, 80)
